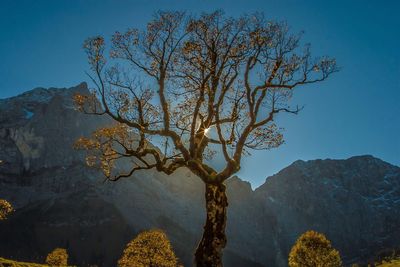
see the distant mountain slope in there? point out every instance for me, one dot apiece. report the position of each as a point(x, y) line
point(355, 202)
point(61, 203)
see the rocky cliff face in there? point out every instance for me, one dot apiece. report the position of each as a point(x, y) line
point(61, 203)
point(355, 202)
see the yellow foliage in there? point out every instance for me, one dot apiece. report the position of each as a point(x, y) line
point(149, 249)
point(313, 249)
point(57, 257)
point(103, 146)
point(5, 209)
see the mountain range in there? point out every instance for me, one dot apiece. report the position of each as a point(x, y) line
point(60, 202)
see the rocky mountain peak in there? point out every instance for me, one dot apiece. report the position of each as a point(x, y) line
point(18, 110)
point(44, 95)
point(39, 128)
point(241, 190)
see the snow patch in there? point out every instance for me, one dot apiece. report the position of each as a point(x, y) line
point(28, 114)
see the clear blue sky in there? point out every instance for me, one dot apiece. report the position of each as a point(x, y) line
point(356, 112)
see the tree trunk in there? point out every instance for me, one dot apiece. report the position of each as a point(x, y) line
point(209, 250)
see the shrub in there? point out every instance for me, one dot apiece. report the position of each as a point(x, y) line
point(149, 249)
point(57, 257)
point(5, 209)
point(313, 249)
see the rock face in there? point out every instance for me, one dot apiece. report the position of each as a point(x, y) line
point(355, 202)
point(61, 203)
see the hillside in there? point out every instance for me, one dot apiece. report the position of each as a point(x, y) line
point(12, 263)
point(59, 202)
point(9, 263)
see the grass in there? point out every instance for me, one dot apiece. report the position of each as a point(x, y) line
point(392, 263)
point(11, 263)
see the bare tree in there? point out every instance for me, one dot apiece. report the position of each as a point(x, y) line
point(194, 87)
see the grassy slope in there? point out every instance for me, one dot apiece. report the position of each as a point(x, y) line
point(392, 263)
point(11, 263)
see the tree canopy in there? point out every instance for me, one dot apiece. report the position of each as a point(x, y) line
point(5, 209)
point(149, 249)
point(313, 249)
point(187, 88)
point(58, 257)
point(194, 86)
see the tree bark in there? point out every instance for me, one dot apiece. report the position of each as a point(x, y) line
point(209, 250)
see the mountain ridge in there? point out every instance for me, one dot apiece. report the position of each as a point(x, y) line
point(56, 195)
point(36, 95)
